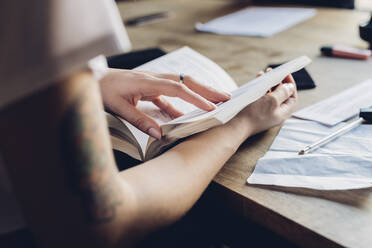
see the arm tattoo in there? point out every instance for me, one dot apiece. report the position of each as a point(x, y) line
point(86, 161)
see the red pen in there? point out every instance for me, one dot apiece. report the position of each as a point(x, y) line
point(346, 52)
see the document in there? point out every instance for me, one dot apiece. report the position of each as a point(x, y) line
point(340, 107)
point(257, 21)
point(345, 163)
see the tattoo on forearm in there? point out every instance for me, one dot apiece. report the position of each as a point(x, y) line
point(86, 160)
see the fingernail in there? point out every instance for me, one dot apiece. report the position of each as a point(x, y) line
point(154, 133)
point(228, 94)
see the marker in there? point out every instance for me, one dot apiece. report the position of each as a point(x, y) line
point(346, 52)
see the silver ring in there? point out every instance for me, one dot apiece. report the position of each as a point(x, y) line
point(182, 77)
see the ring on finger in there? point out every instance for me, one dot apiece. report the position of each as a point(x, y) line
point(182, 78)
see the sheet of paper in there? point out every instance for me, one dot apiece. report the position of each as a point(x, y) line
point(340, 107)
point(345, 163)
point(257, 21)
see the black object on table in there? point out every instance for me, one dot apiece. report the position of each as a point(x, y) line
point(133, 59)
point(302, 78)
point(365, 32)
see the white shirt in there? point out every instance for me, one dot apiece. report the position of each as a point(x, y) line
point(43, 41)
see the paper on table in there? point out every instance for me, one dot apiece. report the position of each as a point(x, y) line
point(345, 163)
point(257, 21)
point(340, 107)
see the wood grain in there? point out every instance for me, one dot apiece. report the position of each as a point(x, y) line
point(307, 217)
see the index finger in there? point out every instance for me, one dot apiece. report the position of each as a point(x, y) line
point(173, 89)
point(208, 92)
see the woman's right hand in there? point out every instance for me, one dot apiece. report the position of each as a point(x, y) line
point(121, 90)
point(271, 109)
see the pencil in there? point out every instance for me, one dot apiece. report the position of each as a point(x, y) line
point(331, 137)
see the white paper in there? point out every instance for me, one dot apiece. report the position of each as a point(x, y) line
point(344, 163)
point(339, 107)
point(257, 21)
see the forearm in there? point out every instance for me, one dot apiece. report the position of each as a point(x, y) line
point(167, 187)
point(58, 153)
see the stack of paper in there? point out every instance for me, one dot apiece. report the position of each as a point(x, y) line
point(340, 107)
point(257, 21)
point(345, 163)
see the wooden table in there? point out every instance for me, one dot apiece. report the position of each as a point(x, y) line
point(308, 218)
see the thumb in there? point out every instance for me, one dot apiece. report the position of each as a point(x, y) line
point(138, 119)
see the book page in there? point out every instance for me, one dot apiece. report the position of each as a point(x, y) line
point(188, 62)
point(141, 137)
point(340, 107)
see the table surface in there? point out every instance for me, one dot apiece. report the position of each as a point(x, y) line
point(308, 218)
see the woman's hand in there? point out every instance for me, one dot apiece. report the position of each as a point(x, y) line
point(272, 109)
point(122, 89)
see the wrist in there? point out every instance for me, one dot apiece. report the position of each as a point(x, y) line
point(241, 126)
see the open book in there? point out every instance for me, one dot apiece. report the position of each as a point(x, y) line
point(128, 139)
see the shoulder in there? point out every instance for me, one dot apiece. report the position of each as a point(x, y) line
point(43, 41)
